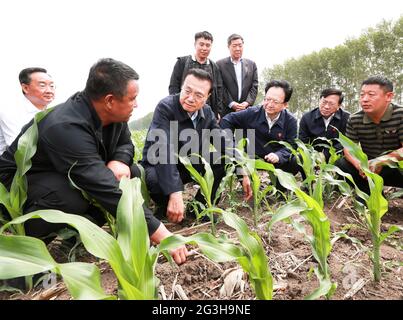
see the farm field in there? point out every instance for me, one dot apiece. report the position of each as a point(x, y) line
point(289, 255)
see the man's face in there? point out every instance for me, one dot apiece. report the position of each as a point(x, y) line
point(374, 100)
point(41, 90)
point(236, 49)
point(122, 108)
point(329, 105)
point(203, 48)
point(273, 102)
point(194, 93)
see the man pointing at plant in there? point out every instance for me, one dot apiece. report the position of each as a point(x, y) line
point(87, 138)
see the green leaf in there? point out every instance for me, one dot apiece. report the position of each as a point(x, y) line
point(22, 256)
point(286, 211)
point(83, 281)
point(390, 231)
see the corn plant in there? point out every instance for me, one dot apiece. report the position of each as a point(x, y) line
point(251, 167)
point(312, 211)
point(375, 202)
point(249, 253)
point(206, 183)
point(130, 256)
point(14, 200)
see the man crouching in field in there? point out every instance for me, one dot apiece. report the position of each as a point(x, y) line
point(87, 136)
point(183, 124)
point(378, 127)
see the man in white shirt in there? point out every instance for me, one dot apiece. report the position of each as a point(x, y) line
point(38, 92)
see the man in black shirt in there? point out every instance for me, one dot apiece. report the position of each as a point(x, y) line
point(200, 60)
point(323, 121)
point(87, 136)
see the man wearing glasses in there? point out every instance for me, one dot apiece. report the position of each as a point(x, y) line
point(324, 121)
point(38, 91)
point(271, 122)
point(183, 124)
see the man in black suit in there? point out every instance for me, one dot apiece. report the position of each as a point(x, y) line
point(182, 124)
point(240, 78)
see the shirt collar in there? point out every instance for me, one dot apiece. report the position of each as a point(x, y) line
point(318, 115)
point(194, 59)
point(194, 115)
point(386, 116)
point(277, 120)
point(235, 62)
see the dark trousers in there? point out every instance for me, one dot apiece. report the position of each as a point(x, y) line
point(52, 190)
point(161, 200)
point(391, 177)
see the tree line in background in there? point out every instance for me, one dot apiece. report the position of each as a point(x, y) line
point(377, 51)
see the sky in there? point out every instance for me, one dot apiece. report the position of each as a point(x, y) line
point(68, 37)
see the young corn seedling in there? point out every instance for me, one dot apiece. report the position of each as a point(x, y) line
point(312, 211)
point(206, 183)
point(130, 256)
point(251, 167)
point(14, 200)
point(376, 203)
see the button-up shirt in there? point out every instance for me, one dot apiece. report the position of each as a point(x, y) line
point(13, 118)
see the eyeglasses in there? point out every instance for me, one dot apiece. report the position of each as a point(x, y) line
point(324, 102)
point(196, 95)
point(270, 100)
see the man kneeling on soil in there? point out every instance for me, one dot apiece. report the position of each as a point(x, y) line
point(378, 127)
point(184, 124)
point(87, 135)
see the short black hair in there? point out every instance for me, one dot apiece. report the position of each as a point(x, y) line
point(380, 80)
point(25, 74)
point(330, 91)
point(204, 34)
point(109, 76)
point(232, 37)
point(201, 75)
point(285, 85)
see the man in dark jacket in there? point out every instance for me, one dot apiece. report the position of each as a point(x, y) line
point(183, 124)
point(87, 136)
point(200, 60)
point(324, 120)
point(271, 122)
point(239, 76)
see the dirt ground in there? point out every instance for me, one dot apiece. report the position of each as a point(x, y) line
point(290, 261)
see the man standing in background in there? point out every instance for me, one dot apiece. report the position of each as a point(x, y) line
point(200, 60)
point(240, 77)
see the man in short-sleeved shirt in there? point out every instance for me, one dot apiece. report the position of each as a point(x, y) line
point(378, 127)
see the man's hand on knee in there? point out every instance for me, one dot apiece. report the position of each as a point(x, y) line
point(119, 169)
point(176, 207)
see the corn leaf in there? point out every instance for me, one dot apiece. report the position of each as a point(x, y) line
point(23, 256)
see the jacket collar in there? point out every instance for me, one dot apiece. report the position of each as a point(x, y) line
point(94, 115)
